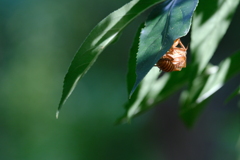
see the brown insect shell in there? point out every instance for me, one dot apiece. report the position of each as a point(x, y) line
point(174, 59)
point(179, 58)
point(165, 63)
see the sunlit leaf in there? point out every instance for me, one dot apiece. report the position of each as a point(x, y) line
point(210, 23)
point(151, 91)
point(132, 107)
point(136, 104)
point(99, 38)
point(216, 79)
point(167, 22)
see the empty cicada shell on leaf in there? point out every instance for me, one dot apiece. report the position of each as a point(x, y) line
point(174, 59)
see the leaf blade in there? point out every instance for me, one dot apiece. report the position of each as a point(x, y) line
point(169, 21)
point(131, 75)
point(227, 69)
point(98, 39)
point(210, 23)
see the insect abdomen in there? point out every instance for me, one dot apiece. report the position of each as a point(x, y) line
point(165, 65)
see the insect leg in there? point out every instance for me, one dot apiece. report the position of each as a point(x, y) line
point(182, 45)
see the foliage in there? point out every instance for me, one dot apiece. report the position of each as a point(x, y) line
point(100, 37)
point(168, 21)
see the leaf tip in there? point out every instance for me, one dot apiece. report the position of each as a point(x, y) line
point(132, 91)
point(130, 95)
point(57, 114)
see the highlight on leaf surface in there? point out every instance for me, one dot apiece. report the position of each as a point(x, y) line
point(210, 23)
point(194, 101)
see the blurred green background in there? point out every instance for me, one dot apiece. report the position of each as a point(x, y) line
point(38, 40)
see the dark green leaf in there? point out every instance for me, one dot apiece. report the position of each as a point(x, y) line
point(99, 38)
point(168, 21)
point(234, 94)
point(131, 75)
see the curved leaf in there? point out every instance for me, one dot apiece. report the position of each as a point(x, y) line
point(216, 78)
point(136, 104)
point(168, 21)
point(99, 38)
point(153, 90)
point(210, 23)
point(131, 75)
point(133, 105)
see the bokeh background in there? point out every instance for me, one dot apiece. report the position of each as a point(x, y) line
point(38, 40)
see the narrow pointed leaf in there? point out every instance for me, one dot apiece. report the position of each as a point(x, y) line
point(99, 38)
point(210, 23)
point(167, 22)
point(131, 75)
point(141, 92)
point(227, 69)
point(151, 91)
point(192, 107)
point(135, 105)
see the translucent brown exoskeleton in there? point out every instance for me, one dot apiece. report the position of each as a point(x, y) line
point(174, 59)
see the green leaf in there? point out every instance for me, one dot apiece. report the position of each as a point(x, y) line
point(153, 90)
point(227, 69)
point(132, 106)
point(135, 105)
point(210, 23)
point(131, 75)
point(168, 21)
point(208, 86)
point(99, 38)
point(234, 94)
